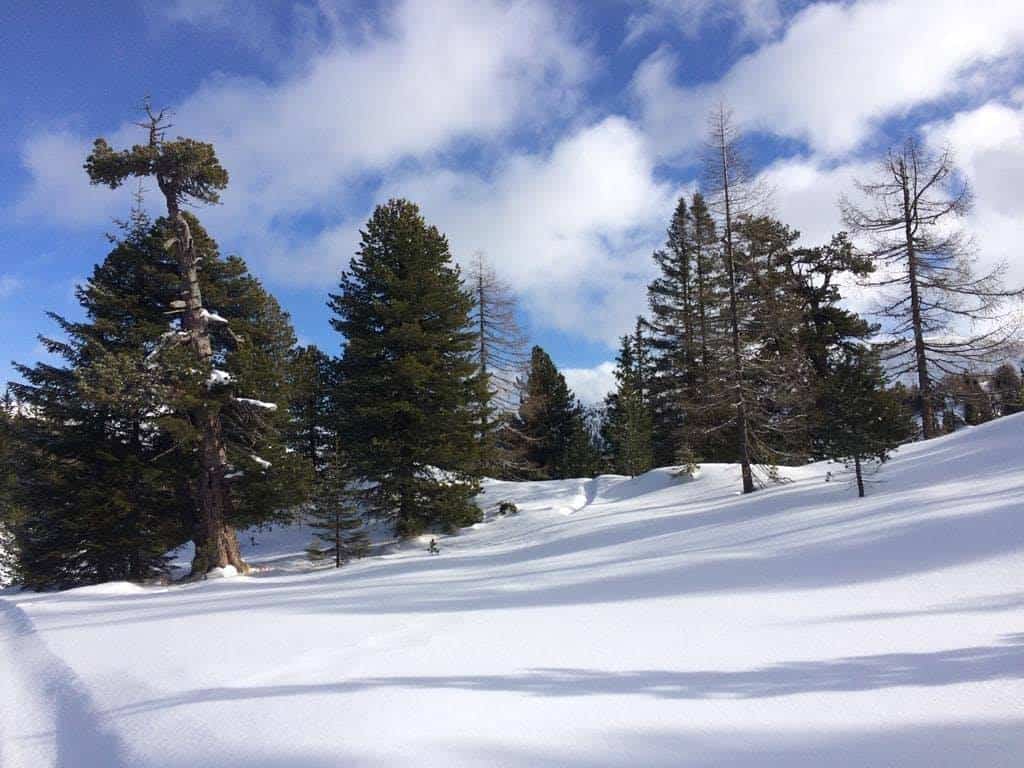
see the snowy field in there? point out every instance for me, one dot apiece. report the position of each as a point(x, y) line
point(645, 622)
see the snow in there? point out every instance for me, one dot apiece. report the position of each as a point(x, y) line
point(225, 572)
point(256, 403)
point(218, 378)
point(212, 317)
point(263, 463)
point(655, 621)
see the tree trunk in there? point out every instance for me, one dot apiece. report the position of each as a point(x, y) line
point(860, 476)
point(741, 408)
point(216, 544)
point(929, 428)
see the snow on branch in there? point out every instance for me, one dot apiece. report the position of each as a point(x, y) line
point(256, 403)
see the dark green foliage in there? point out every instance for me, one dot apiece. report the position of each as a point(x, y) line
point(334, 514)
point(550, 429)
point(106, 455)
point(311, 380)
point(407, 382)
point(507, 508)
point(863, 422)
point(1008, 390)
point(627, 415)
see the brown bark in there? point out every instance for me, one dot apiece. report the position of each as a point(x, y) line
point(928, 425)
point(216, 544)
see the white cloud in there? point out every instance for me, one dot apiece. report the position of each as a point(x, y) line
point(837, 71)
point(989, 146)
point(755, 19)
point(434, 75)
point(570, 230)
point(59, 190)
point(590, 385)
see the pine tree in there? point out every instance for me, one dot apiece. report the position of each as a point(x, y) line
point(911, 216)
point(627, 428)
point(187, 171)
point(313, 427)
point(864, 421)
point(334, 514)
point(1008, 390)
point(550, 428)
point(106, 499)
point(407, 379)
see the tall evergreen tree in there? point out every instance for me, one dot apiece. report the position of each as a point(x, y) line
point(106, 499)
point(313, 427)
point(550, 428)
point(627, 428)
point(407, 378)
point(187, 171)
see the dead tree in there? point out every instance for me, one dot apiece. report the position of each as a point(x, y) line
point(500, 354)
point(186, 171)
point(732, 192)
point(931, 295)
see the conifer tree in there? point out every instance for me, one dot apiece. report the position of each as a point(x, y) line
point(334, 514)
point(187, 171)
point(627, 416)
point(550, 428)
point(407, 378)
point(1009, 392)
point(106, 499)
point(864, 421)
point(912, 216)
point(313, 417)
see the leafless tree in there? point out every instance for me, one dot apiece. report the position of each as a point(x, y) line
point(501, 353)
point(732, 192)
point(945, 318)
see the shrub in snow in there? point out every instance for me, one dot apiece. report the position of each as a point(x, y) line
point(507, 508)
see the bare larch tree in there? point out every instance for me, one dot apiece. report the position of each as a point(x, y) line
point(186, 171)
point(944, 317)
point(732, 192)
point(500, 354)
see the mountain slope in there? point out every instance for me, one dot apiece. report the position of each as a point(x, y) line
point(648, 621)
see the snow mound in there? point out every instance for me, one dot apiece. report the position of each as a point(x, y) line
point(222, 572)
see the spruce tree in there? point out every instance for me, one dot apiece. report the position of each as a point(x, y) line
point(864, 422)
point(627, 429)
point(407, 379)
point(334, 514)
point(550, 428)
point(313, 427)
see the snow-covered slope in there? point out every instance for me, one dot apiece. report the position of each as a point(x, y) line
point(643, 622)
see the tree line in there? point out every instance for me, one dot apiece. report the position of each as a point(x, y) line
point(184, 408)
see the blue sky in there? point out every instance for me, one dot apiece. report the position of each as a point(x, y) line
point(553, 136)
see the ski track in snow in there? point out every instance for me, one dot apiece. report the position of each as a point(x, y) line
point(648, 621)
point(54, 722)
